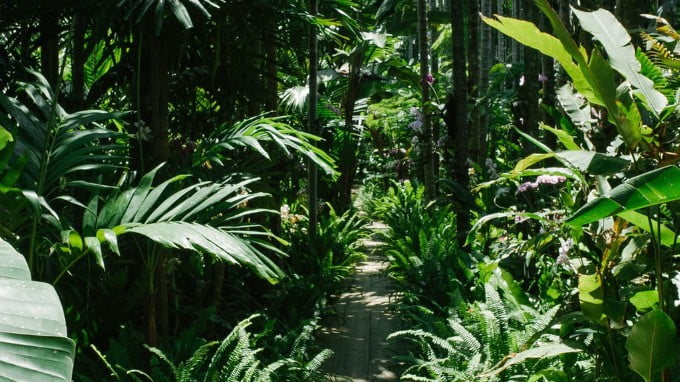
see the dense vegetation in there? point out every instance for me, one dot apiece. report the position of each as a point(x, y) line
point(184, 186)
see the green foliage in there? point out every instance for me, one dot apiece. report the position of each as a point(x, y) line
point(33, 339)
point(491, 341)
point(426, 263)
point(317, 267)
point(254, 133)
point(650, 344)
point(237, 358)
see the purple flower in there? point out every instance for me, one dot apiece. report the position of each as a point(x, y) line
point(429, 79)
point(526, 186)
point(565, 247)
point(415, 125)
point(542, 78)
point(550, 179)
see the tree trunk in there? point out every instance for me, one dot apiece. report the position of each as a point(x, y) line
point(269, 40)
point(154, 93)
point(49, 46)
point(426, 149)
point(312, 120)
point(527, 109)
point(486, 52)
point(514, 43)
point(477, 138)
point(78, 61)
point(348, 154)
point(457, 115)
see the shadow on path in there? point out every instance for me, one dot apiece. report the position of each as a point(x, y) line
point(358, 334)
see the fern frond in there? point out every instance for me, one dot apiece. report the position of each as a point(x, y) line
point(187, 368)
point(216, 361)
point(539, 325)
point(161, 356)
point(659, 54)
point(468, 340)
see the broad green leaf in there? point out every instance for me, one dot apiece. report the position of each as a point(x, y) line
point(649, 189)
point(591, 297)
point(642, 221)
point(652, 345)
point(594, 163)
point(33, 341)
point(645, 300)
point(617, 43)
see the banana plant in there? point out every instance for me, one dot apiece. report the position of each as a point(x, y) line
point(33, 340)
point(595, 78)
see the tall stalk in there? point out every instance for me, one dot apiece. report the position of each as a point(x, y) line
point(313, 98)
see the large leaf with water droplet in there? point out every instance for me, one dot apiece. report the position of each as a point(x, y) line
point(33, 342)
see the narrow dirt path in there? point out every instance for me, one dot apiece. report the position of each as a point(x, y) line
point(358, 333)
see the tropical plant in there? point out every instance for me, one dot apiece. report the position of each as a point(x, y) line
point(491, 341)
point(639, 110)
point(318, 267)
point(33, 338)
point(62, 153)
point(235, 358)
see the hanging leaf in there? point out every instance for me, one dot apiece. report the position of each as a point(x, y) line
point(651, 344)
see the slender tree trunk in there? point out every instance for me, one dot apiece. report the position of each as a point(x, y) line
point(527, 109)
point(485, 54)
point(49, 46)
point(153, 97)
point(514, 43)
point(456, 120)
point(312, 119)
point(348, 155)
point(477, 138)
point(501, 39)
point(78, 61)
point(426, 149)
point(269, 39)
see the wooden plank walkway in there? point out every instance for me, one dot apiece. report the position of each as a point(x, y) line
point(358, 334)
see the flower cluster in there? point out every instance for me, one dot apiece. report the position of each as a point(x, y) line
point(565, 247)
point(541, 179)
point(418, 123)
